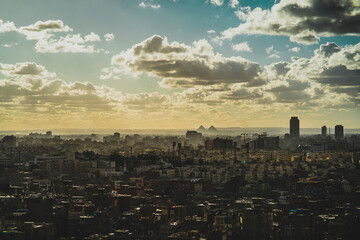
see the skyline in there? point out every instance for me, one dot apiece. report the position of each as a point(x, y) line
point(179, 64)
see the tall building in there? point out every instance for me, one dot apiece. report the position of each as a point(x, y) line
point(294, 127)
point(339, 132)
point(324, 131)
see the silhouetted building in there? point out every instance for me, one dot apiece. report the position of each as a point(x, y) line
point(9, 141)
point(294, 127)
point(220, 143)
point(194, 136)
point(265, 143)
point(323, 131)
point(117, 136)
point(339, 132)
point(208, 144)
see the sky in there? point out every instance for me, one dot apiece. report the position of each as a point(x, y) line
point(178, 64)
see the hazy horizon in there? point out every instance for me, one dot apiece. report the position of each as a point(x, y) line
point(230, 131)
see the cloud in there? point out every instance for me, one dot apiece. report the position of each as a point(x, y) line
point(109, 37)
point(7, 26)
point(181, 65)
point(53, 96)
point(233, 3)
point(29, 95)
point(148, 101)
point(149, 4)
point(274, 56)
point(42, 30)
point(216, 2)
point(211, 31)
point(279, 68)
point(24, 68)
point(50, 25)
point(9, 45)
point(244, 46)
point(70, 44)
point(303, 21)
point(49, 42)
point(273, 53)
point(92, 37)
point(340, 76)
point(328, 79)
point(269, 49)
point(294, 49)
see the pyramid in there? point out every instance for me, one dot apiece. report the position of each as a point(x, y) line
point(201, 129)
point(212, 129)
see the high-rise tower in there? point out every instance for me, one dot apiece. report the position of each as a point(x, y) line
point(324, 131)
point(294, 127)
point(339, 132)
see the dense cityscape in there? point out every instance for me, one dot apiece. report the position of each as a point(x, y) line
point(179, 120)
point(200, 185)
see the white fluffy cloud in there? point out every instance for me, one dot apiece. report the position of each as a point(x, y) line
point(234, 3)
point(150, 4)
point(241, 47)
point(294, 49)
point(109, 37)
point(46, 34)
point(303, 21)
point(6, 26)
point(216, 2)
point(71, 43)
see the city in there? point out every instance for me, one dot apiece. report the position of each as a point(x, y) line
point(179, 119)
point(200, 185)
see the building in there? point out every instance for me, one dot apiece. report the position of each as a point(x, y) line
point(194, 137)
point(9, 141)
point(294, 127)
point(265, 143)
point(117, 136)
point(324, 131)
point(339, 132)
point(221, 143)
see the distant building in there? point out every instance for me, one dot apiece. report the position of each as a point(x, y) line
point(9, 141)
point(324, 131)
point(194, 136)
point(208, 144)
point(114, 138)
point(356, 158)
point(117, 136)
point(339, 132)
point(294, 127)
point(221, 143)
point(265, 143)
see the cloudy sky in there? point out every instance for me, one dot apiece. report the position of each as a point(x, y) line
point(173, 64)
